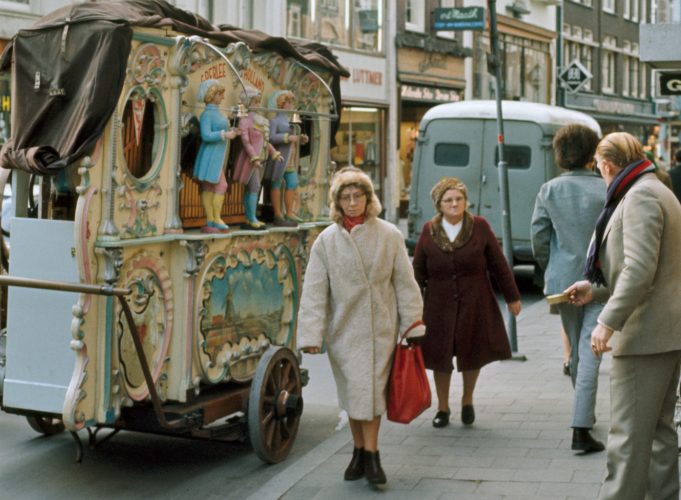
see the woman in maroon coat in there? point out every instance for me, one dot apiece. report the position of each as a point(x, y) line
point(454, 257)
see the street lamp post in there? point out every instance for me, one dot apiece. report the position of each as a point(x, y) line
point(502, 167)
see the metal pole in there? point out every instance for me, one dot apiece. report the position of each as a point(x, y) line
point(560, 91)
point(502, 169)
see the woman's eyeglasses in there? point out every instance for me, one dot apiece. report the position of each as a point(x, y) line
point(349, 198)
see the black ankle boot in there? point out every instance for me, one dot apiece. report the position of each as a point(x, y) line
point(583, 441)
point(356, 468)
point(372, 468)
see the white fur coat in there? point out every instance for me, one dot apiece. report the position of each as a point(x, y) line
point(359, 293)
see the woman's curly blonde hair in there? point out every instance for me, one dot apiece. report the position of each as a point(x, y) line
point(213, 90)
point(352, 176)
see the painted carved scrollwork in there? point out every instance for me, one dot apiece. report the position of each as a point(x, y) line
point(151, 303)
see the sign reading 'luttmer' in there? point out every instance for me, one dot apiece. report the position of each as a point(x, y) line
point(458, 18)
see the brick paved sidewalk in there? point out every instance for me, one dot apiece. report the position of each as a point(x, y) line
point(518, 448)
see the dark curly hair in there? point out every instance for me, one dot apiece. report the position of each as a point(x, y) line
point(574, 146)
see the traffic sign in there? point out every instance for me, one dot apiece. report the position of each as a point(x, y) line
point(575, 76)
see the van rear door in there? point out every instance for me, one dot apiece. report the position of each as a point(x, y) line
point(446, 148)
point(525, 158)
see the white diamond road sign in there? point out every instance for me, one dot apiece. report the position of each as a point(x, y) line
point(575, 76)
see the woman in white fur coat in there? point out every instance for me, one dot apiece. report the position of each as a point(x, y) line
point(359, 293)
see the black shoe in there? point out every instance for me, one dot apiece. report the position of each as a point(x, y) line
point(566, 368)
point(356, 468)
point(467, 414)
point(372, 468)
point(582, 441)
point(441, 419)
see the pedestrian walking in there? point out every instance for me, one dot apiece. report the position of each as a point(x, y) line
point(634, 264)
point(565, 212)
point(359, 292)
point(675, 174)
point(453, 260)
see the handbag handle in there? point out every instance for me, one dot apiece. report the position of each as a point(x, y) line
point(406, 332)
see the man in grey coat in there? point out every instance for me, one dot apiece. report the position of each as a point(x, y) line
point(565, 213)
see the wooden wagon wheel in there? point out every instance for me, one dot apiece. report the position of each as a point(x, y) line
point(45, 425)
point(275, 405)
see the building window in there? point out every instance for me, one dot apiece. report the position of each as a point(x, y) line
point(367, 22)
point(294, 24)
point(643, 90)
point(609, 6)
point(608, 65)
point(356, 24)
point(447, 3)
point(526, 66)
point(334, 22)
point(414, 15)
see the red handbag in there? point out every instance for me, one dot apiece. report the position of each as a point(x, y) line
point(408, 388)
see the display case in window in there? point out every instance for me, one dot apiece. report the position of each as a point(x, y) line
point(359, 142)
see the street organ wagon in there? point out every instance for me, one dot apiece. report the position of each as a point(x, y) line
point(122, 312)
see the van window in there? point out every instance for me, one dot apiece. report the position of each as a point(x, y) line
point(452, 155)
point(516, 156)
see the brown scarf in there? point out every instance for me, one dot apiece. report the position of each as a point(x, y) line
point(439, 235)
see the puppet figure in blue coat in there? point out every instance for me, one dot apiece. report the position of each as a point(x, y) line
point(209, 169)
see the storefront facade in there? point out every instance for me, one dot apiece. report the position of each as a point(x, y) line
point(430, 71)
point(361, 140)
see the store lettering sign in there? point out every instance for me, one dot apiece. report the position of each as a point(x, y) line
point(367, 77)
point(621, 108)
point(416, 93)
point(670, 84)
point(5, 104)
point(458, 18)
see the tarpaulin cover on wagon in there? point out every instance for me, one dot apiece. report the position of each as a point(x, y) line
point(69, 68)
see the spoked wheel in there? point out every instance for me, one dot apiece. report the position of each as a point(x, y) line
point(275, 405)
point(45, 425)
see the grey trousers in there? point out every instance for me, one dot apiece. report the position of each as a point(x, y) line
point(642, 442)
point(579, 322)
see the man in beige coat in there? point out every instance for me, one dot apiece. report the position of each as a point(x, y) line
point(635, 255)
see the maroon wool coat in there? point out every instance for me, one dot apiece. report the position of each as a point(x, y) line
point(461, 313)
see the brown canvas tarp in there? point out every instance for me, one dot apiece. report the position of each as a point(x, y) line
point(68, 70)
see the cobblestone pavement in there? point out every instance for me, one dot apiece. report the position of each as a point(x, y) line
point(518, 448)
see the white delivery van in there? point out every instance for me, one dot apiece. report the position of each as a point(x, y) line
point(460, 140)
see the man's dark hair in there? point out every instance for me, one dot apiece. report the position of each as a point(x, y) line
point(574, 146)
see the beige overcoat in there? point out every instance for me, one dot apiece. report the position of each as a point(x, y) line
point(359, 292)
point(641, 261)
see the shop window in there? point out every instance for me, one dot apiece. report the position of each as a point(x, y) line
point(452, 155)
point(518, 157)
point(359, 142)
